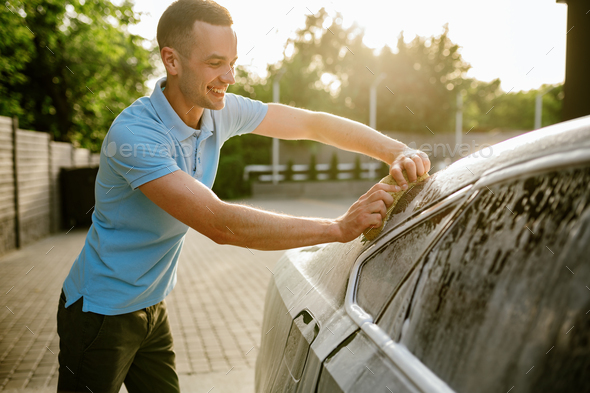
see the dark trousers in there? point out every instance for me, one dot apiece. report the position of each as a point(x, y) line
point(98, 353)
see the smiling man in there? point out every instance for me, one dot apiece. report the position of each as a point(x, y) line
point(157, 168)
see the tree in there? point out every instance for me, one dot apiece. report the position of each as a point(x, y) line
point(328, 68)
point(79, 67)
point(487, 107)
point(15, 53)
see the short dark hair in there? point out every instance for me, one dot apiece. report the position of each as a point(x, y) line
point(175, 28)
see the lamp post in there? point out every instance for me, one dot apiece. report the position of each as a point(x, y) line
point(539, 108)
point(373, 101)
point(373, 110)
point(276, 92)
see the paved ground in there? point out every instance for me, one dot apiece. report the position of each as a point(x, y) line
point(215, 309)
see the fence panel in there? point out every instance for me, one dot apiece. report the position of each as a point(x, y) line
point(61, 157)
point(81, 157)
point(94, 159)
point(34, 193)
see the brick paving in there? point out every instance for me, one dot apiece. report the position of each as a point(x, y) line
point(215, 309)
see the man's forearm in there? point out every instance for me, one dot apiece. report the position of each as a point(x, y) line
point(246, 226)
point(354, 136)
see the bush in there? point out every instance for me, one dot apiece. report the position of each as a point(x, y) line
point(236, 153)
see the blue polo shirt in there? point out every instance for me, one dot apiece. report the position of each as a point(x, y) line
point(130, 255)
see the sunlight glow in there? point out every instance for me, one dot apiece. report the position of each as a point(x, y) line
point(522, 43)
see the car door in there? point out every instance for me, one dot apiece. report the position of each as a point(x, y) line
point(502, 300)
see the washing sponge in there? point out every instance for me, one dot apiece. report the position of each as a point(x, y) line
point(372, 233)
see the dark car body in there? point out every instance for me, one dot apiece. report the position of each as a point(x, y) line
point(479, 282)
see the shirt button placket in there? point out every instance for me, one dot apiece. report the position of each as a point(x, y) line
point(196, 150)
point(199, 158)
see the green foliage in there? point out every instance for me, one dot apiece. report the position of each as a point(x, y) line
point(487, 107)
point(333, 171)
point(76, 68)
point(236, 153)
point(15, 52)
point(312, 173)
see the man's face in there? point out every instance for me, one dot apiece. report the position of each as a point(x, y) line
point(209, 70)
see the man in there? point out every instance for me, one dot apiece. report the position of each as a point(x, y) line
point(157, 167)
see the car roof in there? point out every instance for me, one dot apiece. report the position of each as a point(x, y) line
point(559, 138)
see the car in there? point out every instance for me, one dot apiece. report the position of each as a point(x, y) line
point(479, 282)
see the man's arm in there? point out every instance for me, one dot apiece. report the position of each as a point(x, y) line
point(195, 205)
point(285, 122)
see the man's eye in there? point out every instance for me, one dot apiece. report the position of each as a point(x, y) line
point(215, 64)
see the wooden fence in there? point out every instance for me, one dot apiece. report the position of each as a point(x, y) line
point(30, 200)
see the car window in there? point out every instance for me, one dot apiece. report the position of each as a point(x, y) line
point(382, 273)
point(502, 299)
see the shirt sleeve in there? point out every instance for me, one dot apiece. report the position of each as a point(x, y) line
point(244, 114)
point(140, 153)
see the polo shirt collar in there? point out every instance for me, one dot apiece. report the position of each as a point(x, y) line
point(170, 118)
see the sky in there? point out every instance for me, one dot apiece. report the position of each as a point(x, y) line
point(522, 42)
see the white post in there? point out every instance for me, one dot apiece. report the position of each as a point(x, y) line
point(276, 91)
point(373, 101)
point(539, 107)
point(459, 121)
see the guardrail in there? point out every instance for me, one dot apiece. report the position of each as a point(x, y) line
point(300, 172)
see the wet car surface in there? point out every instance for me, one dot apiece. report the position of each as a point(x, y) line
point(478, 282)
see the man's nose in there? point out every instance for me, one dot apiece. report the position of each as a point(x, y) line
point(228, 77)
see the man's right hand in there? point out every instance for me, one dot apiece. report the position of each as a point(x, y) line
point(369, 211)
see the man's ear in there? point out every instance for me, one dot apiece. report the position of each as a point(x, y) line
point(170, 60)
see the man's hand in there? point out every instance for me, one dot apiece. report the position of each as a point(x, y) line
point(369, 211)
point(415, 162)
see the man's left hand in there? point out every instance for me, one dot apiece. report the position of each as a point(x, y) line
point(414, 162)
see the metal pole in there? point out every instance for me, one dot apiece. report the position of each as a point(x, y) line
point(459, 121)
point(539, 107)
point(276, 93)
point(373, 101)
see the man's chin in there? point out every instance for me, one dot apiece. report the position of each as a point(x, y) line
point(217, 105)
